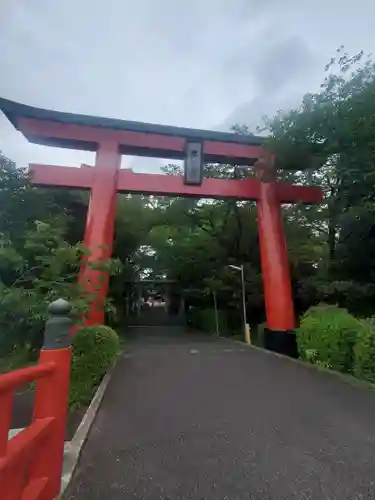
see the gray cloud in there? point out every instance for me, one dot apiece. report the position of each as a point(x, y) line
point(200, 63)
point(281, 63)
point(280, 75)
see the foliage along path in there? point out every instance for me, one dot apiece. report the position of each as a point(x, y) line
point(186, 417)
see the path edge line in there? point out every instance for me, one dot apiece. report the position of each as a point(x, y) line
point(345, 377)
point(74, 447)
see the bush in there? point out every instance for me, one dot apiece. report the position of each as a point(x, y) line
point(204, 319)
point(364, 351)
point(94, 350)
point(326, 337)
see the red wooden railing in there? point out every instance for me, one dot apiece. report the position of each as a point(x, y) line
point(31, 462)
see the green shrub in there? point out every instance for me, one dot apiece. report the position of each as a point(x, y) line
point(207, 320)
point(94, 350)
point(322, 307)
point(364, 351)
point(192, 317)
point(204, 319)
point(326, 337)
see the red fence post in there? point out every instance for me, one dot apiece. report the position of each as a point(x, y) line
point(51, 398)
point(6, 401)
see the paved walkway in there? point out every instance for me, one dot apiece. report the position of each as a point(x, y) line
point(187, 417)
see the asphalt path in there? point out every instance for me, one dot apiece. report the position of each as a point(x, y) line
point(189, 417)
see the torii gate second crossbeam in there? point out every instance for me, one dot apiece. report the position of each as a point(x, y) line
point(112, 138)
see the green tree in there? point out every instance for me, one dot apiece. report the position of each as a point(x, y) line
point(37, 262)
point(328, 140)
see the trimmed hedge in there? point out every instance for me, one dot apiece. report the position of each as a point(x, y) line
point(204, 319)
point(364, 351)
point(326, 337)
point(94, 350)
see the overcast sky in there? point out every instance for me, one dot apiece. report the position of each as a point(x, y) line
point(193, 63)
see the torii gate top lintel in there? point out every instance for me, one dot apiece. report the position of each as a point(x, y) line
point(83, 132)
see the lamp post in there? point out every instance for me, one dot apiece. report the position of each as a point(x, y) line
point(241, 269)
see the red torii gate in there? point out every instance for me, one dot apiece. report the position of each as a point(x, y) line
point(111, 138)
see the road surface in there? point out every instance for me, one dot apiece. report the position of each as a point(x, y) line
point(188, 417)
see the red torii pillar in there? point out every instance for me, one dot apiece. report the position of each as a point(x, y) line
point(100, 225)
point(112, 138)
point(278, 294)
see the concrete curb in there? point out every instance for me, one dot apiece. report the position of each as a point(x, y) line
point(73, 448)
point(345, 377)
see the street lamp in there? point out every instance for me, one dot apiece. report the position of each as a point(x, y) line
point(240, 268)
